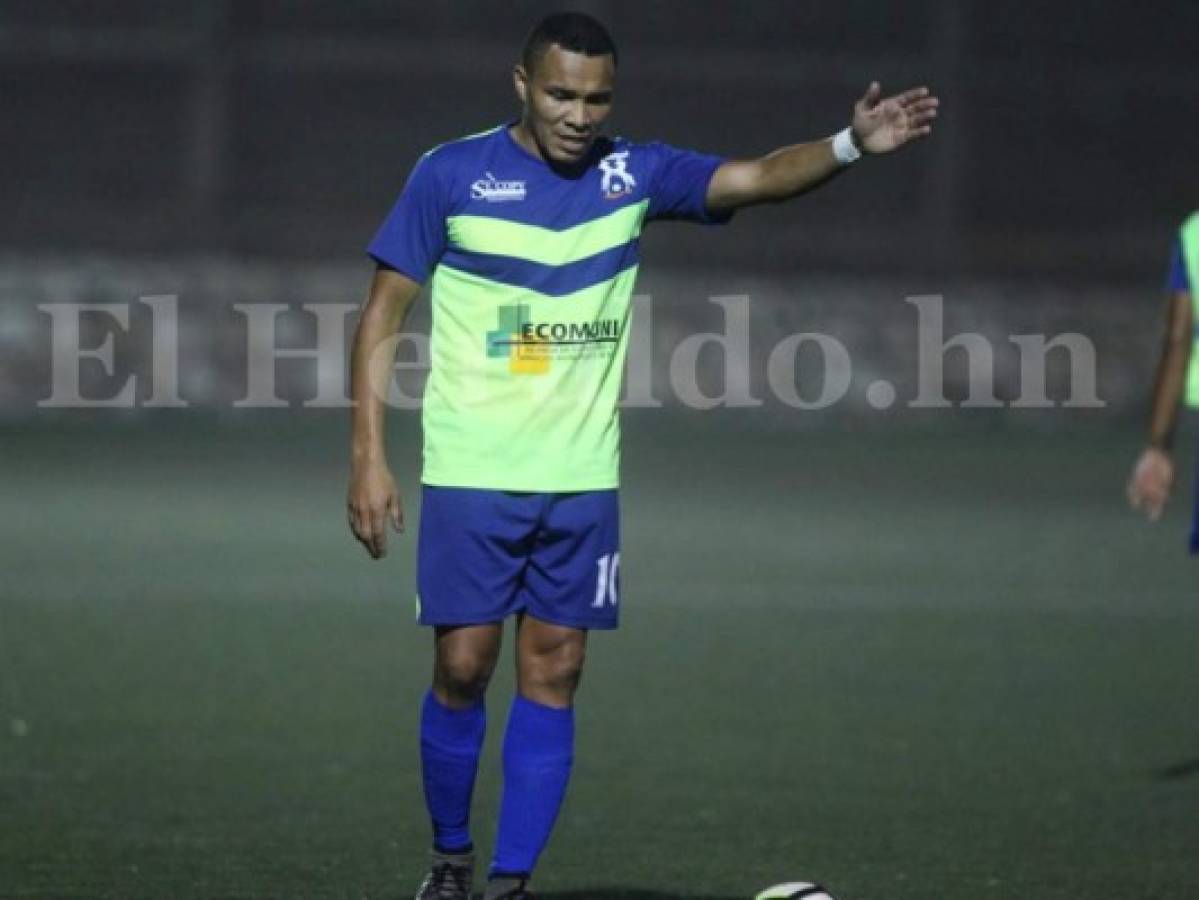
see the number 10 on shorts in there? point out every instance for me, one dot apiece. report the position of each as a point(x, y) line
point(605, 580)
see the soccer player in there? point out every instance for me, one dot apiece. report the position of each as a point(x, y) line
point(1177, 376)
point(529, 233)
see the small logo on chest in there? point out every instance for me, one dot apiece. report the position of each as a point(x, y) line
point(618, 181)
point(494, 190)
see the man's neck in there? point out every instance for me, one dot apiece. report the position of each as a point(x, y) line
point(524, 137)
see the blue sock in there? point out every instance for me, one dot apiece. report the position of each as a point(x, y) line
point(450, 741)
point(538, 751)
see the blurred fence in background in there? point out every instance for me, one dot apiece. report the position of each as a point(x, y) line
point(243, 151)
point(724, 327)
point(285, 127)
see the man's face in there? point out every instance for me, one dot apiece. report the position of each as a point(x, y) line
point(566, 97)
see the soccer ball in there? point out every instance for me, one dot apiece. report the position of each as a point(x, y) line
point(795, 890)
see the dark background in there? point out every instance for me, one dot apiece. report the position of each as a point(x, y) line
point(913, 654)
point(284, 129)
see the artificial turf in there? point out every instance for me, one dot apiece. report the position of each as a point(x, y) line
point(909, 663)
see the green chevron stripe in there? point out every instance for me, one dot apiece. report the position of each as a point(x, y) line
point(484, 234)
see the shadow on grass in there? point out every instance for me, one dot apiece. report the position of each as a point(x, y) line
point(604, 893)
point(1186, 769)
point(618, 893)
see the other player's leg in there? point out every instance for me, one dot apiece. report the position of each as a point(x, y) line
point(1195, 523)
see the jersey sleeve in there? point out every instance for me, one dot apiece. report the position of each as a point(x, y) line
point(1177, 279)
point(679, 185)
point(412, 238)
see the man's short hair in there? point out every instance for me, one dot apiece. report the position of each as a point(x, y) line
point(574, 31)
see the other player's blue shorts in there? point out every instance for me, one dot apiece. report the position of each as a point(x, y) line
point(1195, 521)
point(483, 555)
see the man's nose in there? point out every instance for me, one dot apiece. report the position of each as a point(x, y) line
point(577, 116)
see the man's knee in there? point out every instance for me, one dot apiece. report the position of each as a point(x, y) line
point(462, 669)
point(462, 676)
point(556, 668)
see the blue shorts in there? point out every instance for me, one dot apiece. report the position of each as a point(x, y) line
point(1195, 522)
point(483, 555)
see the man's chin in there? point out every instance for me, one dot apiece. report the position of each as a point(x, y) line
point(569, 154)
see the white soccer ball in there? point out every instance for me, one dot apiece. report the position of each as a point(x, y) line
point(795, 890)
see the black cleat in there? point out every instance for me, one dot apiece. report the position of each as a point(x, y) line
point(450, 877)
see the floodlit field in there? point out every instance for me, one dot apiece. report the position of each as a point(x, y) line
point(914, 665)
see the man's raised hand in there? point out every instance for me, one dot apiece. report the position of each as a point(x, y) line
point(882, 125)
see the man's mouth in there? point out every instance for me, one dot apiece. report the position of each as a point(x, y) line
point(573, 142)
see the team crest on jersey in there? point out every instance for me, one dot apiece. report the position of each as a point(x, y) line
point(493, 190)
point(618, 180)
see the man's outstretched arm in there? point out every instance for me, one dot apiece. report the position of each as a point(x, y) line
point(372, 498)
point(1153, 475)
point(879, 126)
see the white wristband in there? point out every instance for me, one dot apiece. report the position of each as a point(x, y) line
point(844, 149)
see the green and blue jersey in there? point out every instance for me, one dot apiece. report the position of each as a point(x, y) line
point(1184, 273)
point(532, 276)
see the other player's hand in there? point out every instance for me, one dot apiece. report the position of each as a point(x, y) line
point(1149, 486)
point(372, 501)
point(882, 125)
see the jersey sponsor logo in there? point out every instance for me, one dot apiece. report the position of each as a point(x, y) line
point(618, 181)
point(604, 331)
point(495, 190)
point(530, 347)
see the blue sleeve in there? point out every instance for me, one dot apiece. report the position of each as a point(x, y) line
point(1178, 280)
point(412, 238)
point(679, 185)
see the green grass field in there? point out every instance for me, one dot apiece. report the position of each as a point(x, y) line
point(910, 664)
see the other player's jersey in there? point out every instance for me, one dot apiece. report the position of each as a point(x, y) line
point(1178, 280)
point(1184, 273)
point(532, 275)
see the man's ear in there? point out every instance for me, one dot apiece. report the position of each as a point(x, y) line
point(520, 81)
